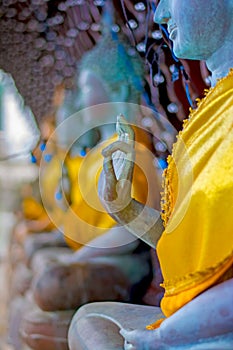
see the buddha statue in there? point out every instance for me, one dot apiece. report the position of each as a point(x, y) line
point(108, 262)
point(193, 231)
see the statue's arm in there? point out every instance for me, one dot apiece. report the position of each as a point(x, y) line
point(198, 322)
point(115, 189)
point(142, 221)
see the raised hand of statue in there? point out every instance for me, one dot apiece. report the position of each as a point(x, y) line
point(115, 185)
point(116, 178)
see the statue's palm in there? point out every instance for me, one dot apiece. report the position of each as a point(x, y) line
point(116, 179)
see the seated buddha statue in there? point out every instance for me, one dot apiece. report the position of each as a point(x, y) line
point(108, 263)
point(111, 85)
point(192, 233)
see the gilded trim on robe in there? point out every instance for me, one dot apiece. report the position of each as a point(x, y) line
point(196, 247)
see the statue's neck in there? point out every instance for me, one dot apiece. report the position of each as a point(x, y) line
point(221, 61)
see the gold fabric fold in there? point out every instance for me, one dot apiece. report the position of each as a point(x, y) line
point(196, 247)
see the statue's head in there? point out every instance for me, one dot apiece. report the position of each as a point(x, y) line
point(111, 75)
point(197, 28)
point(111, 72)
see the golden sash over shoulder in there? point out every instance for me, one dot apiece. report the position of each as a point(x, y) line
point(195, 250)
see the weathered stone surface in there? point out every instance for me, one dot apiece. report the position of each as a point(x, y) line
point(64, 287)
point(46, 330)
point(96, 326)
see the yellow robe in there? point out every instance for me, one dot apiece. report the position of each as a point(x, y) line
point(196, 247)
point(86, 218)
point(32, 209)
point(46, 210)
point(50, 178)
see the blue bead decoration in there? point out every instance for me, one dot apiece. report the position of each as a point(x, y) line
point(33, 158)
point(162, 163)
point(58, 196)
point(83, 153)
point(48, 157)
point(42, 146)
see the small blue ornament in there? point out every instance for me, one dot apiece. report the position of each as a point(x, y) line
point(48, 157)
point(42, 146)
point(162, 163)
point(58, 196)
point(83, 153)
point(33, 158)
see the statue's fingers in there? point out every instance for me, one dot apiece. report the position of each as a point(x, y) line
point(129, 132)
point(127, 171)
point(116, 146)
point(108, 166)
point(125, 129)
point(118, 158)
point(121, 121)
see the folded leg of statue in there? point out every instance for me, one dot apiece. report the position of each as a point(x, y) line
point(38, 241)
point(42, 330)
point(20, 280)
point(68, 285)
point(97, 325)
point(203, 323)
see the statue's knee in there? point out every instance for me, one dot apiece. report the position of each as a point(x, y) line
point(52, 288)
